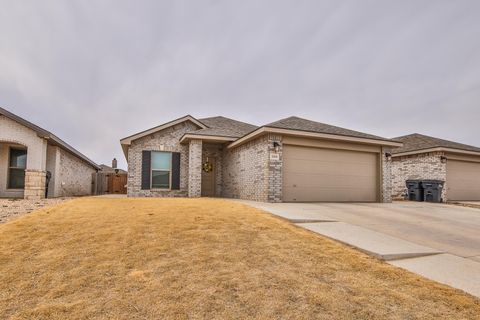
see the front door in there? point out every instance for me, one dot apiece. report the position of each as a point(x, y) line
point(208, 177)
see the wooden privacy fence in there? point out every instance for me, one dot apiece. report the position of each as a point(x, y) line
point(109, 183)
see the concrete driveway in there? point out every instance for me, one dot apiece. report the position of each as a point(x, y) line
point(447, 228)
point(438, 241)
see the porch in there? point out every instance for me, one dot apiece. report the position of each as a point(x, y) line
point(22, 170)
point(205, 177)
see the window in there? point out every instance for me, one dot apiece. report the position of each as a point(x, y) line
point(16, 168)
point(161, 170)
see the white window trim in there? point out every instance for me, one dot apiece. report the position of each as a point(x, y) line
point(169, 171)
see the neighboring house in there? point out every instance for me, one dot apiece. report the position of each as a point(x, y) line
point(424, 157)
point(289, 160)
point(110, 180)
point(113, 169)
point(28, 152)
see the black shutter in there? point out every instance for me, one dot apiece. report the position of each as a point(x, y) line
point(175, 170)
point(146, 169)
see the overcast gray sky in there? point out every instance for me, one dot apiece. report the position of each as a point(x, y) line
point(93, 72)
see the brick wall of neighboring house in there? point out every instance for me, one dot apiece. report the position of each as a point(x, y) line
point(420, 166)
point(13, 132)
point(275, 168)
point(386, 184)
point(53, 165)
point(75, 176)
point(246, 171)
point(211, 150)
point(168, 140)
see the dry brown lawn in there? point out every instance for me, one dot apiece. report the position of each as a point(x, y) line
point(95, 258)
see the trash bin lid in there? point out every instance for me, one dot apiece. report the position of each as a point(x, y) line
point(433, 181)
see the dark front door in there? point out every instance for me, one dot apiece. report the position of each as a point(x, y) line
point(208, 177)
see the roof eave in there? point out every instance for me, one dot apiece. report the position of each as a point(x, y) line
point(52, 139)
point(129, 139)
point(436, 149)
point(314, 135)
point(213, 138)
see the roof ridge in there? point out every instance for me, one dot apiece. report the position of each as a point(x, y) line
point(223, 117)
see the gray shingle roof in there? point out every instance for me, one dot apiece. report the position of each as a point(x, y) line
point(296, 123)
point(225, 127)
point(416, 142)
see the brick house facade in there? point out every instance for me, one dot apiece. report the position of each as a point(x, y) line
point(428, 158)
point(28, 152)
point(248, 160)
point(428, 166)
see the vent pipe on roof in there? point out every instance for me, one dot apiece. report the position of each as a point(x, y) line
point(114, 163)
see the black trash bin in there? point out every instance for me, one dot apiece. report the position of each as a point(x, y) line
point(47, 181)
point(415, 190)
point(432, 190)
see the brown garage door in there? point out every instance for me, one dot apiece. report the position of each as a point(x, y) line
point(316, 174)
point(463, 180)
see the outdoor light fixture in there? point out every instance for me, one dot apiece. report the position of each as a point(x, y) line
point(443, 159)
point(276, 145)
point(388, 155)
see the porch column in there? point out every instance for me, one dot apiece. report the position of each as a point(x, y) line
point(195, 168)
point(35, 173)
point(34, 184)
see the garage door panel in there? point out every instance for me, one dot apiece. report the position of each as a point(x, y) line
point(331, 195)
point(339, 180)
point(318, 166)
point(322, 168)
point(463, 180)
point(316, 174)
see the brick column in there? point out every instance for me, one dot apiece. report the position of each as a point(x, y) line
point(195, 168)
point(275, 169)
point(386, 183)
point(34, 184)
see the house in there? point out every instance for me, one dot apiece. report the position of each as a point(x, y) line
point(289, 160)
point(111, 169)
point(424, 157)
point(31, 157)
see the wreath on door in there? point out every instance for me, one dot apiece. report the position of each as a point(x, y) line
point(207, 166)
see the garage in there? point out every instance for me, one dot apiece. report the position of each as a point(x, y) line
point(329, 175)
point(463, 180)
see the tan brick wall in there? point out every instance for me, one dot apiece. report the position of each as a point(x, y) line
point(195, 168)
point(246, 171)
point(165, 140)
point(386, 186)
point(275, 168)
point(53, 165)
point(75, 176)
point(415, 167)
